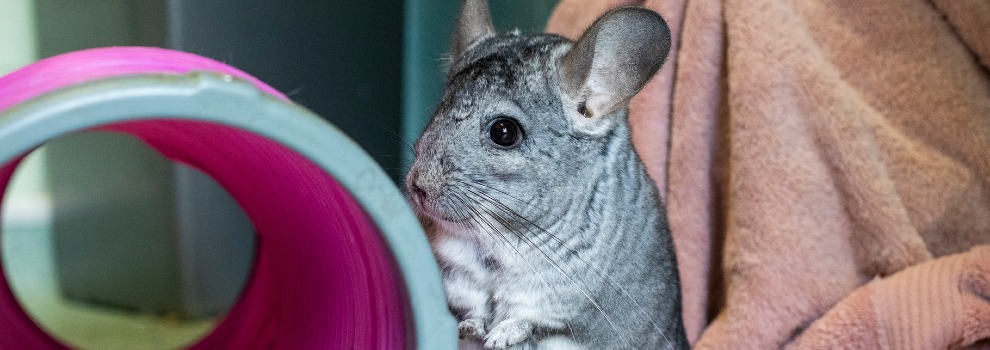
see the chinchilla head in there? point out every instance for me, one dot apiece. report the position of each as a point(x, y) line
point(523, 118)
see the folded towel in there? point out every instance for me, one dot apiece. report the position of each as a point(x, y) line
point(813, 147)
point(934, 305)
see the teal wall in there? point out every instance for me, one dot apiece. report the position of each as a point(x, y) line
point(340, 59)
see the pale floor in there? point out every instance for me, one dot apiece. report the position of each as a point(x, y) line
point(28, 263)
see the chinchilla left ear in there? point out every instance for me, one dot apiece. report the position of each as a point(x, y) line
point(612, 61)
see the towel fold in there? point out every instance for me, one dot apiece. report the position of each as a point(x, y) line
point(944, 303)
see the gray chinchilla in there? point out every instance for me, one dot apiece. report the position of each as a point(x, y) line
point(548, 230)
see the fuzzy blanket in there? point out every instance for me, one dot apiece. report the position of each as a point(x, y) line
point(826, 167)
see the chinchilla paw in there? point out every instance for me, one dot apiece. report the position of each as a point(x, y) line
point(471, 328)
point(508, 333)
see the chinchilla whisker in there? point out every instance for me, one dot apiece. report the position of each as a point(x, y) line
point(493, 188)
point(463, 206)
point(484, 187)
point(470, 205)
point(478, 216)
point(643, 312)
point(403, 141)
point(488, 200)
point(563, 272)
point(401, 166)
point(400, 158)
point(475, 217)
point(548, 259)
point(523, 259)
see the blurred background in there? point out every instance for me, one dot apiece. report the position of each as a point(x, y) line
point(108, 245)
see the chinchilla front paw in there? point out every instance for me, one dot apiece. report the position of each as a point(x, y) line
point(508, 333)
point(472, 328)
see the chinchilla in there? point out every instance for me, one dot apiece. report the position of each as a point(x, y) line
point(548, 230)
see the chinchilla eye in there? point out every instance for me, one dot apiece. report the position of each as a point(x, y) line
point(505, 132)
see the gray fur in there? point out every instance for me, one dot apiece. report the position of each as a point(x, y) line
point(560, 242)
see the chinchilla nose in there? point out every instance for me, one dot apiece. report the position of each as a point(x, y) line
point(416, 189)
point(427, 175)
point(412, 182)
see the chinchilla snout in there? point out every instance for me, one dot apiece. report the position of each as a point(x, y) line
point(414, 186)
point(422, 184)
point(428, 184)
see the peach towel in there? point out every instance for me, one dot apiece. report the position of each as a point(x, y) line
point(807, 148)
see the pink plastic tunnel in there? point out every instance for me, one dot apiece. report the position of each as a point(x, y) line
point(340, 264)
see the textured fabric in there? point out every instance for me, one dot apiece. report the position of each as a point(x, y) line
point(933, 305)
point(814, 147)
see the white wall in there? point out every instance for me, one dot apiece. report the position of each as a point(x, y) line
point(19, 44)
point(26, 201)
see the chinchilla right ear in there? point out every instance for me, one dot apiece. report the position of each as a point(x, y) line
point(610, 63)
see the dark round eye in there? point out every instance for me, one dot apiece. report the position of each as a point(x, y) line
point(505, 132)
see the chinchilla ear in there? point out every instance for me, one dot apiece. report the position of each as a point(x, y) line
point(475, 23)
point(612, 61)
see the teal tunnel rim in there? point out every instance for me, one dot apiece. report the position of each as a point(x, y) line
point(196, 99)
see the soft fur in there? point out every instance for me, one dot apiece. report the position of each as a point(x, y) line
point(561, 242)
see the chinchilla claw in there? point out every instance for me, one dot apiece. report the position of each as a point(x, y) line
point(472, 328)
